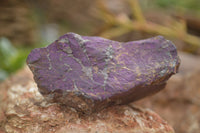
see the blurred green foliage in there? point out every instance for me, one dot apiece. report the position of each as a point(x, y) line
point(11, 58)
point(188, 5)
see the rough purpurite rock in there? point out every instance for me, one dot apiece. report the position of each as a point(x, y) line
point(91, 73)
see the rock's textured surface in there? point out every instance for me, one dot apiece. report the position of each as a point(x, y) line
point(24, 110)
point(91, 73)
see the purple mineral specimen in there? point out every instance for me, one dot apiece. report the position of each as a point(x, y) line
point(91, 73)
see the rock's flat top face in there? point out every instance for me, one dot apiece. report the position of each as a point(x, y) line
point(99, 69)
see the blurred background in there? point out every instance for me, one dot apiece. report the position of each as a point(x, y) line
point(27, 24)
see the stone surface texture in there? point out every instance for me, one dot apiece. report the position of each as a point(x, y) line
point(91, 73)
point(24, 110)
point(179, 103)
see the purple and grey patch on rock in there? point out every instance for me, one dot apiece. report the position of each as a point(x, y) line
point(91, 73)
